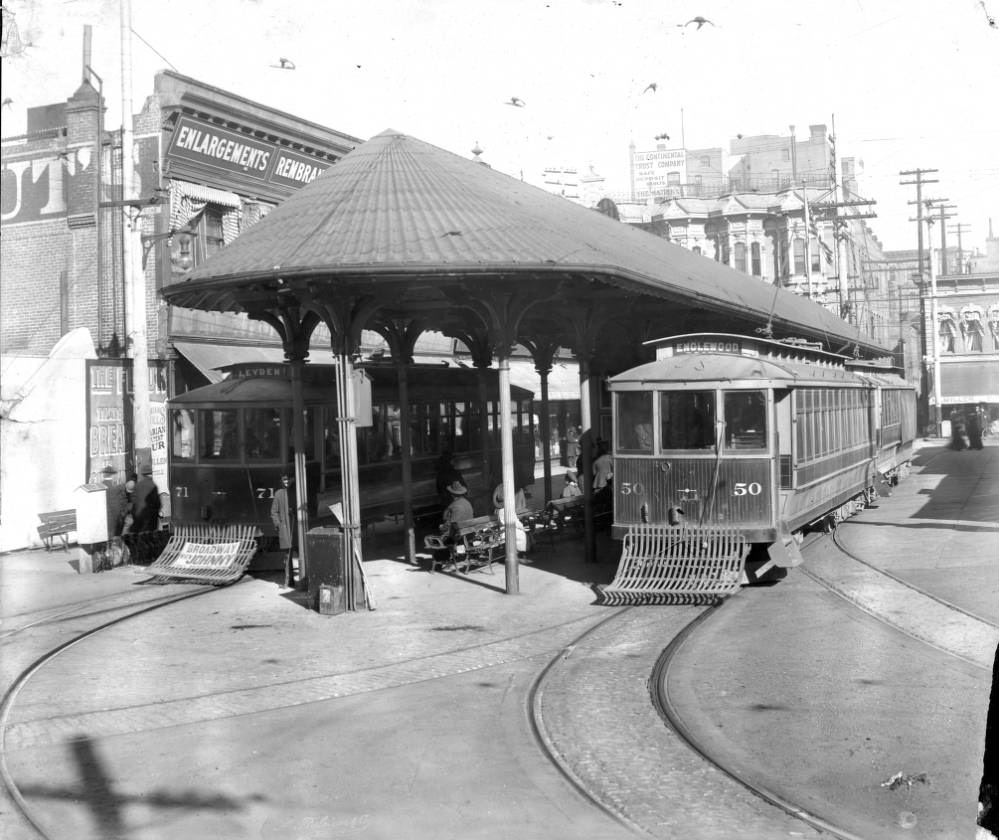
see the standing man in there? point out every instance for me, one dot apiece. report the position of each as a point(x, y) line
point(281, 508)
point(145, 513)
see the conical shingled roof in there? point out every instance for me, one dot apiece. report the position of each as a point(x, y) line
point(399, 207)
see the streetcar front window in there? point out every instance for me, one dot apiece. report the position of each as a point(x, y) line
point(687, 419)
point(634, 421)
point(182, 426)
point(219, 434)
point(262, 434)
point(745, 420)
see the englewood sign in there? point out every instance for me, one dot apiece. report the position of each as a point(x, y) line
point(210, 145)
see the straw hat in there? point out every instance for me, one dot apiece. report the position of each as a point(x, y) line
point(457, 488)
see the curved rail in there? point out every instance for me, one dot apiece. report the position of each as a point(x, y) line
point(537, 731)
point(660, 698)
point(11, 694)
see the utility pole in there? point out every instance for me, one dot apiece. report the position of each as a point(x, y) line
point(931, 205)
point(920, 180)
point(960, 229)
point(944, 215)
point(808, 236)
point(933, 333)
point(134, 275)
point(841, 225)
point(794, 158)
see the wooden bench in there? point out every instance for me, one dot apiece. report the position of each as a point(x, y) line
point(474, 542)
point(565, 516)
point(56, 523)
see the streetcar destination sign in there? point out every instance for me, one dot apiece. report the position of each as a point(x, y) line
point(708, 347)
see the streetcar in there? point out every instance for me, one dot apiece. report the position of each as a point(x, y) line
point(768, 437)
point(230, 442)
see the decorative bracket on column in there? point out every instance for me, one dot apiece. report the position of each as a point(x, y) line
point(543, 352)
point(401, 334)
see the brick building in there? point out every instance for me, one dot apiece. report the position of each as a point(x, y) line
point(208, 163)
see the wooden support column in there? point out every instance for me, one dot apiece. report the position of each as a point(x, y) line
point(509, 491)
point(350, 499)
point(545, 432)
point(295, 324)
point(587, 443)
point(301, 478)
point(406, 440)
point(543, 352)
point(401, 335)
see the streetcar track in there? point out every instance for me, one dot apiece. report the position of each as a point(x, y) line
point(49, 617)
point(10, 696)
point(943, 601)
point(659, 695)
point(534, 715)
point(285, 694)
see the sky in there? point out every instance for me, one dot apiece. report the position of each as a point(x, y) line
point(907, 84)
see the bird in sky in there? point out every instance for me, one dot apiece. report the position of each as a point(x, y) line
point(284, 64)
point(663, 136)
point(8, 102)
point(516, 102)
point(653, 86)
point(700, 21)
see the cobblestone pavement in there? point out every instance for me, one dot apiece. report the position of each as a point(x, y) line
point(599, 721)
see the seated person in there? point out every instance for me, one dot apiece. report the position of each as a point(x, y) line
point(520, 505)
point(459, 509)
point(571, 488)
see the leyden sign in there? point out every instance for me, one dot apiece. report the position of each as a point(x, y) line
point(216, 147)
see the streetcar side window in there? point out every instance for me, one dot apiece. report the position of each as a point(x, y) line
point(218, 434)
point(687, 419)
point(182, 426)
point(634, 421)
point(745, 420)
point(262, 434)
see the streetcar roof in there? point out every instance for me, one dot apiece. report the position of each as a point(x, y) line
point(251, 390)
point(712, 371)
point(427, 383)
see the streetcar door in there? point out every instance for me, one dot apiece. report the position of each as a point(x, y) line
point(785, 438)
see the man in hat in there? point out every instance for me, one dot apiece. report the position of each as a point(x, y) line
point(281, 516)
point(145, 514)
point(460, 509)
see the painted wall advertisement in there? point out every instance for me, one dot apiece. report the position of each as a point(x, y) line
point(109, 420)
point(661, 173)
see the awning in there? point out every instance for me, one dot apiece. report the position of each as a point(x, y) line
point(563, 381)
point(208, 358)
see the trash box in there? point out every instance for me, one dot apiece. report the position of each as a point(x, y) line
point(324, 547)
point(91, 513)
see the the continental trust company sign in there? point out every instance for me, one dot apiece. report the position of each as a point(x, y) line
point(218, 148)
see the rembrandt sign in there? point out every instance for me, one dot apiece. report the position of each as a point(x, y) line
point(210, 145)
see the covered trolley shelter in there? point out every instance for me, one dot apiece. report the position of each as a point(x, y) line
point(400, 237)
